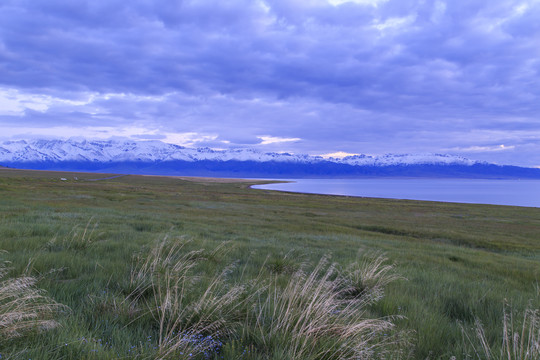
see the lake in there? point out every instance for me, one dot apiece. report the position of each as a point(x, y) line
point(476, 191)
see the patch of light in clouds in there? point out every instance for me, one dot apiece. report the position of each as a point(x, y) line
point(337, 155)
point(363, 2)
point(521, 9)
point(395, 23)
point(65, 132)
point(188, 139)
point(438, 12)
point(266, 139)
point(13, 102)
point(501, 147)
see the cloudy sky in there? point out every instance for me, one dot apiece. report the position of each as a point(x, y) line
point(302, 76)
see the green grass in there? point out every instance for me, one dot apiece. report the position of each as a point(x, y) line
point(82, 241)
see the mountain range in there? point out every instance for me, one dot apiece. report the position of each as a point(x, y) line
point(159, 158)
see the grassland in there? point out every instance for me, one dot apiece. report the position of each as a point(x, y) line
point(86, 243)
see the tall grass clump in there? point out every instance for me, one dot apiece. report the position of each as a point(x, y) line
point(198, 311)
point(192, 312)
point(367, 277)
point(23, 307)
point(313, 317)
point(518, 342)
point(78, 239)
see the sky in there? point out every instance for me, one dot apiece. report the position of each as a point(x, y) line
point(300, 76)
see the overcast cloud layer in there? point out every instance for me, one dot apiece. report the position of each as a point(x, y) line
point(303, 76)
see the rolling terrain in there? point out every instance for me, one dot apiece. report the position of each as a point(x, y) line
point(83, 240)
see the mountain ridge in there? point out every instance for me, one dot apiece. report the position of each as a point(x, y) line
point(159, 158)
point(113, 150)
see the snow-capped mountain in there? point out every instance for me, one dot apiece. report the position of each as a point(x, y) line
point(151, 151)
point(158, 158)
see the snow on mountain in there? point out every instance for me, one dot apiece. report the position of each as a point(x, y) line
point(149, 151)
point(406, 159)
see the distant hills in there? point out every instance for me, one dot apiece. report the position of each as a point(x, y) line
point(158, 158)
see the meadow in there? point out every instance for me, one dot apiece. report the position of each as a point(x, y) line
point(185, 268)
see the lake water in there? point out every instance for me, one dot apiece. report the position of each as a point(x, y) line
point(476, 191)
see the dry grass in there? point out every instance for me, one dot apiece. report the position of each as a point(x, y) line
point(312, 319)
point(23, 307)
point(78, 239)
point(192, 313)
point(368, 276)
point(306, 315)
point(518, 342)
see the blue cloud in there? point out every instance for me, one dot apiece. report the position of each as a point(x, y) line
point(404, 75)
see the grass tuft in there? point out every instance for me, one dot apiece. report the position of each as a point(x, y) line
point(368, 277)
point(23, 307)
point(519, 342)
point(310, 319)
point(78, 239)
point(282, 265)
point(191, 311)
point(304, 315)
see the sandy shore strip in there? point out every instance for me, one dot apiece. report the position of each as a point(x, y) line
point(217, 180)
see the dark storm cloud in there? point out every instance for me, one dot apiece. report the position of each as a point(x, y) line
point(398, 76)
